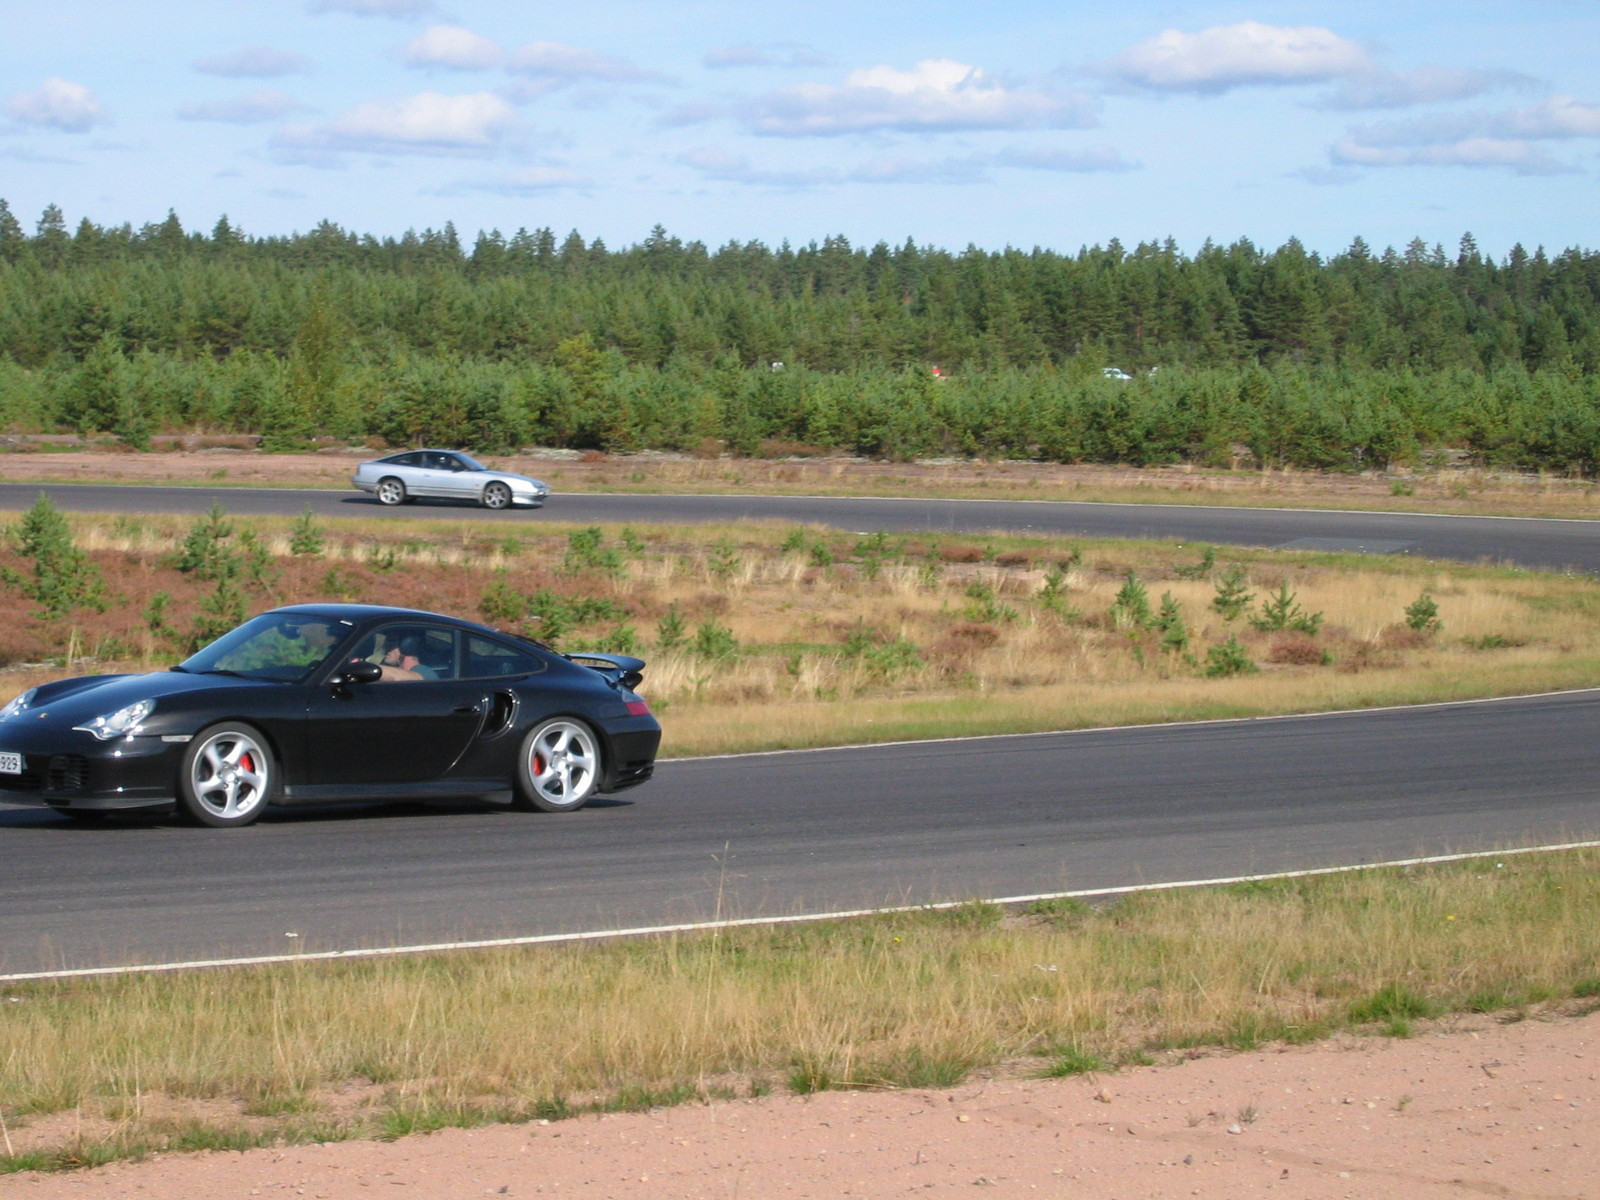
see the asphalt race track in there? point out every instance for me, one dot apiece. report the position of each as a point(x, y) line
point(1546, 544)
point(814, 831)
point(782, 834)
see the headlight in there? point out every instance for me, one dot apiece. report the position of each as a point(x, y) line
point(122, 723)
point(17, 704)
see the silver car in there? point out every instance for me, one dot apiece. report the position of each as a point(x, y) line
point(447, 475)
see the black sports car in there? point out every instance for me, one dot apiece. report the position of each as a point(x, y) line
point(335, 702)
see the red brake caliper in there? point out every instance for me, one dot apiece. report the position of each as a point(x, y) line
point(246, 763)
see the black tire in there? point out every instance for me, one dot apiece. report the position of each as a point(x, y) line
point(558, 766)
point(496, 495)
point(228, 776)
point(390, 491)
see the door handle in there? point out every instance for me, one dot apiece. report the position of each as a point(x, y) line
point(468, 709)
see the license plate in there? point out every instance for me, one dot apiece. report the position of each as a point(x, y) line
point(10, 763)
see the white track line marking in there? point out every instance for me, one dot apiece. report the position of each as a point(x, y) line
point(547, 939)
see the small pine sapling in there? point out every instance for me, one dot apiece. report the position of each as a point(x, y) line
point(1131, 608)
point(1233, 594)
point(1169, 624)
point(1422, 614)
point(1282, 611)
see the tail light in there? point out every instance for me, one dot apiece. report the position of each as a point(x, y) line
point(638, 708)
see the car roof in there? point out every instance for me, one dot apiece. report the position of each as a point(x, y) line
point(361, 614)
point(367, 612)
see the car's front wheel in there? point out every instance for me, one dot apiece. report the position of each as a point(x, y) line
point(228, 776)
point(558, 768)
point(496, 495)
point(390, 491)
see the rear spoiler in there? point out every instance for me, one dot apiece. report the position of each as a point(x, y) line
point(618, 669)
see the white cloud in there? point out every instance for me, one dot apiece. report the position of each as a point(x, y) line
point(428, 123)
point(58, 104)
point(783, 54)
point(719, 164)
point(1473, 139)
point(23, 154)
point(253, 62)
point(547, 177)
point(454, 47)
point(373, 8)
point(970, 169)
point(525, 181)
point(1514, 154)
point(1229, 56)
point(935, 95)
point(1421, 85)
point(695, 112)
point(1557, 117)
point(1092, 160)
point(553, 60)
point(266, 105)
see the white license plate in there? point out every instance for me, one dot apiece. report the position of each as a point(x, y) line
point(10, 763)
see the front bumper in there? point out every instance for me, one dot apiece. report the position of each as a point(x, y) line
point(137, 772)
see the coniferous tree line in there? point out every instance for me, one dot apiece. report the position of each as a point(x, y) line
point(1274, 356)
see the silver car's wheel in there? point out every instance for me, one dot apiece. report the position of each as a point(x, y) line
point(390, 491)
point(559, 767)
point(228, 776)
point(497, 495)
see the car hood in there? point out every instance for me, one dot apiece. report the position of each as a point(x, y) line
point(89, 696)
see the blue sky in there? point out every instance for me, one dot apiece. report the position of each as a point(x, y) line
point(1022, 123)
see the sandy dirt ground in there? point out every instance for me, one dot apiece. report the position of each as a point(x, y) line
point(1467, 1109)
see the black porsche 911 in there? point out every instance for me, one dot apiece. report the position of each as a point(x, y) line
point(335, 702)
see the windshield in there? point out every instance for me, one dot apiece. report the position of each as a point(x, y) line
point(470, 463)
point(284, 647)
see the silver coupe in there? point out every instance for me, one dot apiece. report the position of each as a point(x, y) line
point(446, 475)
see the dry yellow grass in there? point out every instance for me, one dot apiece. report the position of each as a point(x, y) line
point(923, 647)
point(801, 637)
point(910, 999)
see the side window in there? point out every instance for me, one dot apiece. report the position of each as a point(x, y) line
point(490, 659)
point(406, 460)
point(411, 652)
point(438, 652)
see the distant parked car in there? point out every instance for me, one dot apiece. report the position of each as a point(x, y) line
point(446, 475)
point(1115, 373)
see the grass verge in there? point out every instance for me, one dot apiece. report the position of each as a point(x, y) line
point(96, 1069)
point(781, 637)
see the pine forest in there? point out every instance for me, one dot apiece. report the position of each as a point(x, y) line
point(1227, 355)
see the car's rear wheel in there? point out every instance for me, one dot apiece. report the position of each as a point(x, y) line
point(558, 768)
point(390, 491)
point(496, 495)
point(228, 776)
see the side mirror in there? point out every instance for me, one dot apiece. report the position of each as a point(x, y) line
point(360, 672)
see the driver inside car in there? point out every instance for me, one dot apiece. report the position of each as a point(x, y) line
point(402, 661)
